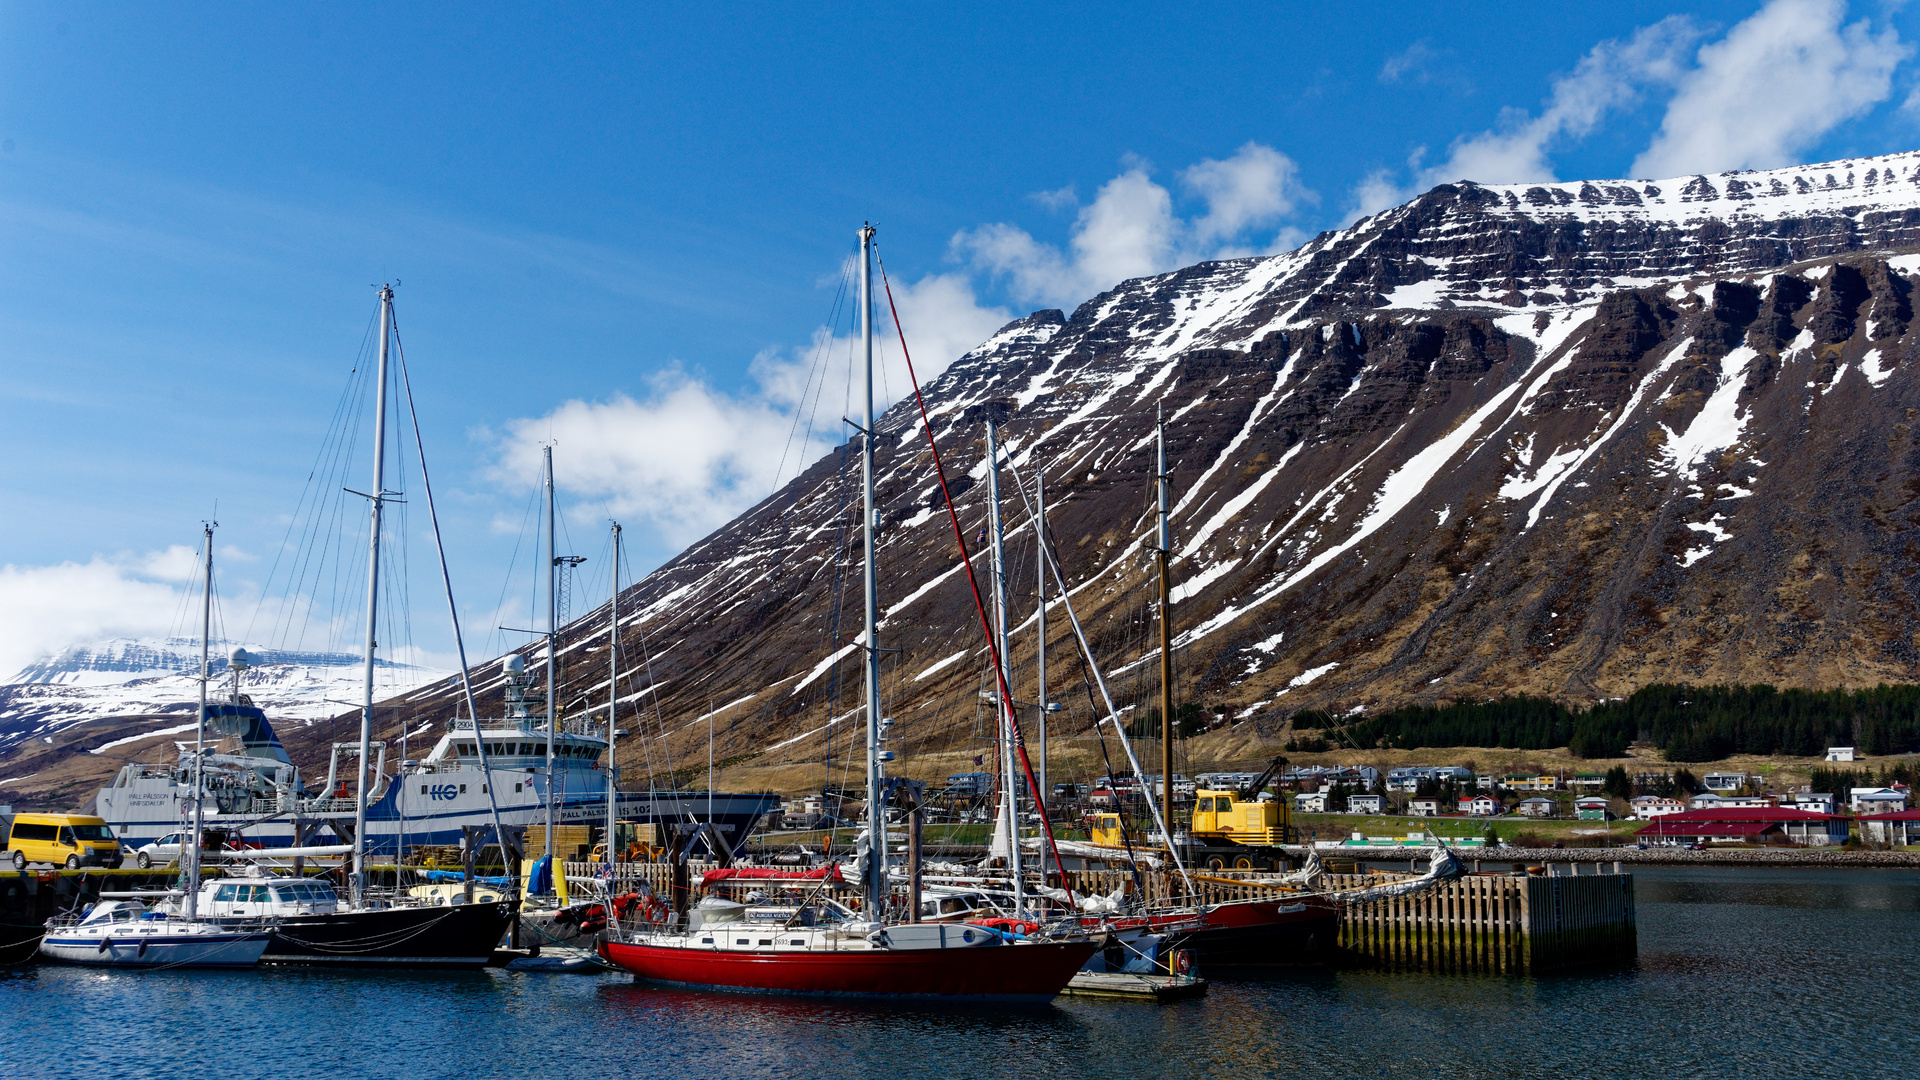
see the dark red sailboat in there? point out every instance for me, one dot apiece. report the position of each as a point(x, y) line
point(812, 944)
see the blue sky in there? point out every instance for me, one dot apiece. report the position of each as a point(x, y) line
point(622, 227)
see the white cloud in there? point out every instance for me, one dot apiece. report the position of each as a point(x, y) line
point(1252, 189)
point(1130, 229)
point(1610, 76)
point(1414, 64)
point(52, 607)
point(686, 457)
point(1772, 87)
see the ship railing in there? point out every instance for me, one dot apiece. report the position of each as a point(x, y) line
point(536, 726)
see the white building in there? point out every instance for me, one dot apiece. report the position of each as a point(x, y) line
point(1711, 801)
point(1538, 807)
point(1648, 807)
point(1820, 802)
point(1480, 805)
point(1839, 753)
point(1366, 804)
point(1724, 781)
point(1424, 808)
point(1314, 802)
point(1877, 800)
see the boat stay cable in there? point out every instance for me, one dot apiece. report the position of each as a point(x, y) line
point(453, 611)
point(1113, 715)
point(979, 606)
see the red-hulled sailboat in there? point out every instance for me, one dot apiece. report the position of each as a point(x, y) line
point(812, 944)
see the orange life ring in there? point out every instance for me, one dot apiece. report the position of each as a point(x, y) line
point(653, 910)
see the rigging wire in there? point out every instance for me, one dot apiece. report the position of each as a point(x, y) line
point(993, 648)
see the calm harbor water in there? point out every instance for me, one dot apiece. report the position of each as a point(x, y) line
point(1749, 973)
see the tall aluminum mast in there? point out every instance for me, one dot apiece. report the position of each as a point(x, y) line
point(377, 499)
point(1161, 554)
point(1040, 615)
point(1010, 778)
point(613, 690)
point(553, 643)
point(200, 734)
point(876, 883)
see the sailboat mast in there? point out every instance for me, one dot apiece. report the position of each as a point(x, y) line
point(1010, 778)
point(613, 688)
point(1160, 556)
point(876, 836)
point(200, 734)
point(553, 642)
point(1040, 615)
point(376, 498)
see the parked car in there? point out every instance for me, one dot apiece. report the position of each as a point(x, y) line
point(164, 851)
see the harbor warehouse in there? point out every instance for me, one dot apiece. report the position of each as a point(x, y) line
point(1748, 825)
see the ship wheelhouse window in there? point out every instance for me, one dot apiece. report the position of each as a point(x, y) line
point(225, 893)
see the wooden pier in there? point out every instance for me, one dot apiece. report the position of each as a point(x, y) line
point(1497, 923)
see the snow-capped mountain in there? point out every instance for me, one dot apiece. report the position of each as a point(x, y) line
point(69, 721)
point(1566, 438)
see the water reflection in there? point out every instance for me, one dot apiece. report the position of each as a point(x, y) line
point(1755, 972)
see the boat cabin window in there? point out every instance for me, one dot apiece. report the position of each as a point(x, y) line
point(224, 893)
point(952, 904)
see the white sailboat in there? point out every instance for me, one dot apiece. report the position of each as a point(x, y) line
point(127, 933)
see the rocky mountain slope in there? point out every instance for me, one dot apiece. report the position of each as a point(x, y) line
point(1563, 438)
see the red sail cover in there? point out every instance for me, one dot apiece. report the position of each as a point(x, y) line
point(767, 873)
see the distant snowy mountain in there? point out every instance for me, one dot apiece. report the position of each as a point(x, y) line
point(75, 717)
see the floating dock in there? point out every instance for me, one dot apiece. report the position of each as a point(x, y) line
point(1114, 984)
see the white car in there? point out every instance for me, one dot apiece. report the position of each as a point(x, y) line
point(163, 851)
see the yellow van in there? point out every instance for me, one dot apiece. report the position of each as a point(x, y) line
point(69, 840)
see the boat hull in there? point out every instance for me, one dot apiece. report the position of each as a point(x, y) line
point(139, 816)
point(1005, 973)
point(1267, 933)
point(156, 950)
point(456, 936)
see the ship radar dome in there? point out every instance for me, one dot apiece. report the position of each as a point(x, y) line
point(240, 659)
point(514, 664)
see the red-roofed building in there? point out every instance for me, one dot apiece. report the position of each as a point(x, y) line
point(1747, 825)
point(1902, 827)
